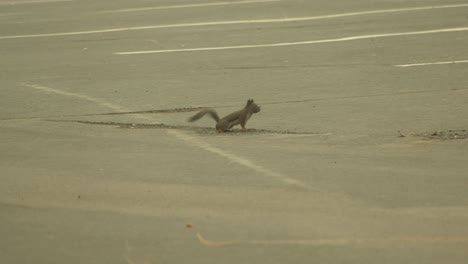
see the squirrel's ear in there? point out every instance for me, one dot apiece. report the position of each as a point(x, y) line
point(250, 101)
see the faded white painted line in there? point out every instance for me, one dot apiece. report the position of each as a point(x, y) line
point(10, 14)
point(190, 140)
point(80, 96)
point(234, 158)
point(368, 242)
point(32, 2)
point(309, 42)
point(72, 33)
point(431, 63)
point(86, 98)
point(219, 23)
point(188, 6)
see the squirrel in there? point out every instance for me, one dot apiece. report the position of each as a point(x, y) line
point(233, 119)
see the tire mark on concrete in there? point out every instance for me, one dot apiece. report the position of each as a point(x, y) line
point(199, 130)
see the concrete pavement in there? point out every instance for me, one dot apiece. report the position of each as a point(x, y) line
point(323, 176)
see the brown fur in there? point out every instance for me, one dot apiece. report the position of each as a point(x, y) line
point(239, 117)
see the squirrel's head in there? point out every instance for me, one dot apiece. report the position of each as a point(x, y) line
point(253, 106)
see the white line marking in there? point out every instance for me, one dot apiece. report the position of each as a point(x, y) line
point(309, 42)
point(372, 242)
point(190, 140)
point(233, 158)
point(32, 2)
point(187, 5)
point(218, 23)
point(84, 97)
point(431, 63)
point(10, 14)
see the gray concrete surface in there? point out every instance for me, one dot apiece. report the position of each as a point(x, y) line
point(323, 175)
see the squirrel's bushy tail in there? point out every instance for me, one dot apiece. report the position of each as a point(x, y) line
point(200, 114)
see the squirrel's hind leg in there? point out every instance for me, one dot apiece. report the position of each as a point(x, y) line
point(222, 126)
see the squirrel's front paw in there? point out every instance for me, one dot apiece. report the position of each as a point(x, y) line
point(243, 129)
